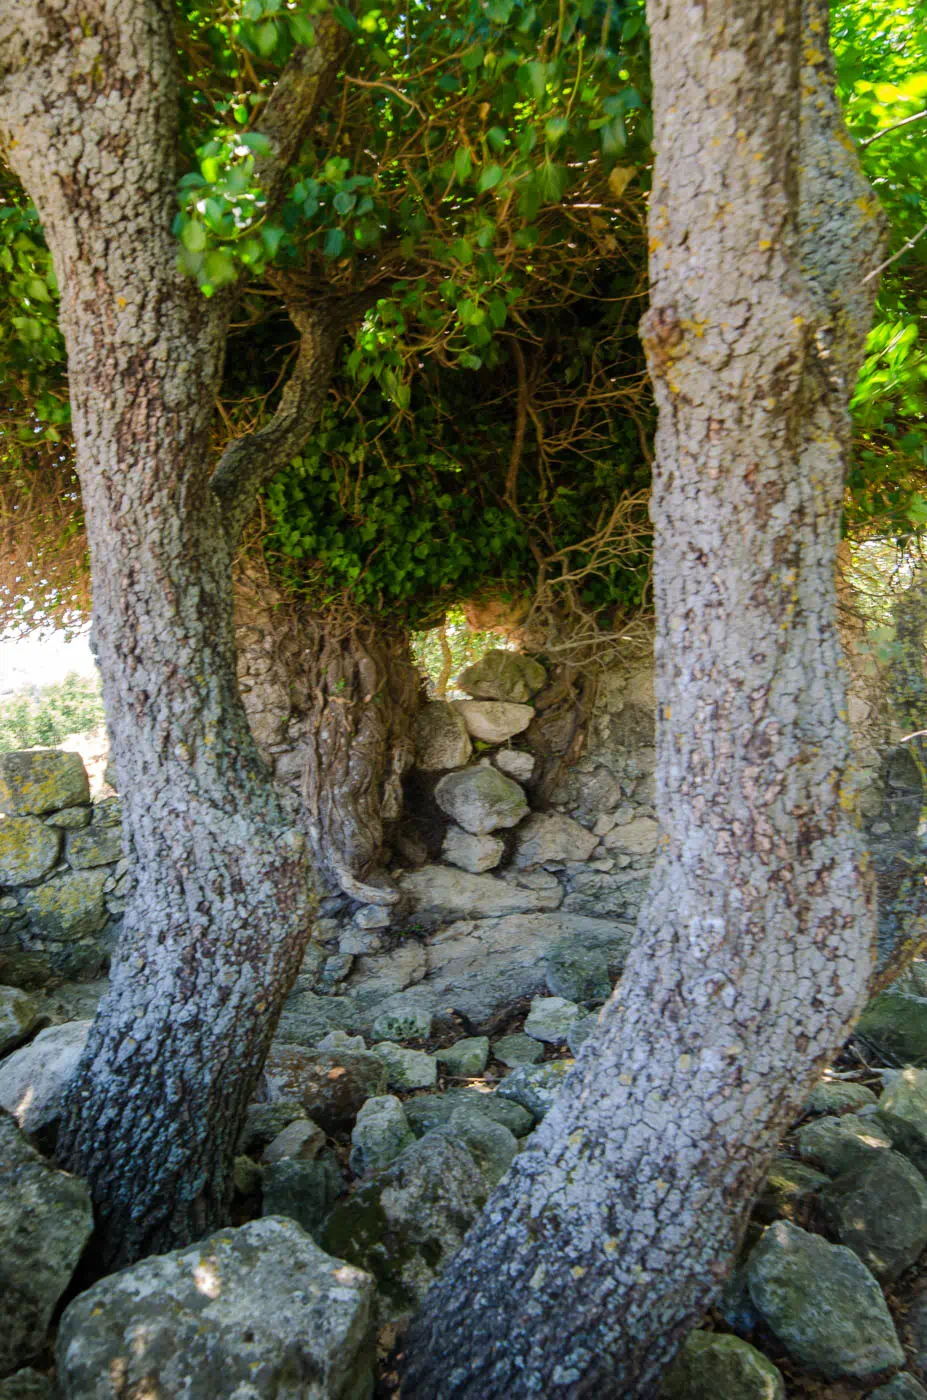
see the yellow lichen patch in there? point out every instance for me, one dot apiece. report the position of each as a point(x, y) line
point(813, 56)
point(611, 1245)
point(577, 1271)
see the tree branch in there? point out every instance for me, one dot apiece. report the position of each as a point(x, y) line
point(295, 101)
point(895, 126)
point(249, 462)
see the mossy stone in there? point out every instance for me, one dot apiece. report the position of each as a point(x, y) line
point(28, 850)
point(715, 1366)
point(33, 781)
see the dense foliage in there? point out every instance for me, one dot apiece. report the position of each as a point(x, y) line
point(471, 209)
point(44, 715)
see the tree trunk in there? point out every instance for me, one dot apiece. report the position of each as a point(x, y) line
point(616, 1228)
point(364, 692)
point(222, 902)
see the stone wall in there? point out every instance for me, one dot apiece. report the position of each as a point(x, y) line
point(62, 872)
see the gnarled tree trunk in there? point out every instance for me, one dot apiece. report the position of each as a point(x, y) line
point(616, 1228)
point(222, 901)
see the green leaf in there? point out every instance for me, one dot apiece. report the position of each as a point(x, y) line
point(462, 251)
point(344, 202)
point(257, 142)
point(614, 138)
point(556, 129)
point(302, 30)
point(463, 164)
point(537, 76)
point(346, 19)
point(334, 243)
point(489, 177)
point(193, 236)
point(252, 9)
point(496, 138)
point(218, 268)
point(266, 37)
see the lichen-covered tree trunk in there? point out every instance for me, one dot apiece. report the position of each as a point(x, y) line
point(364, 691)
point(616, 1228)
point(222, 900)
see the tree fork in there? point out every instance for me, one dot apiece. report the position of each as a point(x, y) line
point(616, 1228)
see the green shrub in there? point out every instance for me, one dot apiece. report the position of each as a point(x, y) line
point(44, 715)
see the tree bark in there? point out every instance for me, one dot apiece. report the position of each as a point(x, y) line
point(222, 901)
point(616, 1228)
point(364, 692)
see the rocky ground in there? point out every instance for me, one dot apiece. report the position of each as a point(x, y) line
point(362, 1166)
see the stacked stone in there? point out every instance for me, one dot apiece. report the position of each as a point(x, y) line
point(62, 873)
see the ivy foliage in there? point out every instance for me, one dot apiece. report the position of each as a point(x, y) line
point(881, 52)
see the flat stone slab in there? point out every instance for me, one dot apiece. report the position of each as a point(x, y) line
point(436, 891)
point(28, 850)
point(493, 721)
point(34, 781)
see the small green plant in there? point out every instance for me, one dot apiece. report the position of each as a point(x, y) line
point(44, 715)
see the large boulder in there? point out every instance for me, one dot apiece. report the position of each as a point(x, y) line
point(405, 1223)
point(823, 1305)
point(307, 1018)
point(552, 836)
point(902, 1115)
point(45, 1221)
point(28, 850)
point(833, 1096)
point(895, 1024)
point(255, 1312)
point(33, 1079)
point(491, 1145)
point(880, 1212)
point(34, 781)
point(69, 906)
point(503, 675)
point(440, 737)
point(637, 837)
point(481, 799)
point(331, 1087)
point(841, 1144)
point(436, 1111)
point(715, 1366)
point(302, 1189)
point(19, 1017)
point(787, 1190)
point(493, 721)
point(466, 1058)
point(578, 974)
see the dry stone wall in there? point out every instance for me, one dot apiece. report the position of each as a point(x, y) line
point(62, 872)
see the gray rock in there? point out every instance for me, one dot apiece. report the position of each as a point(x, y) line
point(535, 1087)
point(901, 1387)
point(19, 1017)
point(841, 1144)
point(493, 721)
point(465, 1058)
point(578, 974)
point(256, 1312)
point(107, 812)
point(408, 1220)
point(832, 1096)
point(441, 738)
point(491, 1145)
point(406, 1069)
point(331, 1087)
point(402, 1022)
point(380, 1134)
point(880, 1212)
point(28, 850)
point(787, 1190)
point(895, 1024)
point(518, 1049)
point(503, 675)
point(823, 1305)
point(247, 1176)
point(302, 1138)
point(45, 1221)
point(264, 1121)
point(515, 763)
point(69, 906)
point(579, 1033)
point(98, 845)
point(26, 1385)
point(550, 1019)
point(552, 836)
point(638, 837)
point(334, 971)
point(902, 1115)
point(916, 1324)
point(371, 916)
point(302, 1190)
point(34, 1078)
point(69, 818)
point(308, 1018)
point(340, 1040)
point(602, 895)
point(436, 1110)
point(360, 942)
point(35, 781)
point(714, 1366)
point(73, 1001)
point(437, 890)
point(473, 853)
point(481, 799)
